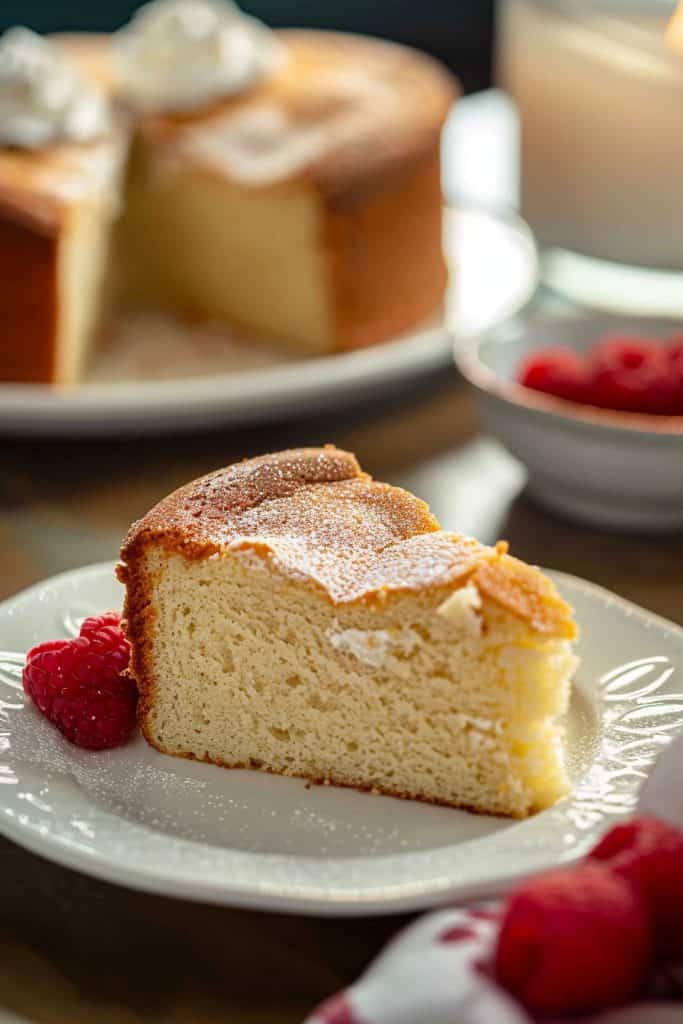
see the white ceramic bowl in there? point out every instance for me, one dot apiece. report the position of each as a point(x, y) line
point(621, 471)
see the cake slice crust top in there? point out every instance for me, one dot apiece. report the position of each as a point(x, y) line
point(318, 517)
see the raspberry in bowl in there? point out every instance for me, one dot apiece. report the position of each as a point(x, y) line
point(622, 372)
point(592, 404)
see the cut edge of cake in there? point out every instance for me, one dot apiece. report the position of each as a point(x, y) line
point(376, 651)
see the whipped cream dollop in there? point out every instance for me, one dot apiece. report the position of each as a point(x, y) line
point(43, 98)
point(176, 55)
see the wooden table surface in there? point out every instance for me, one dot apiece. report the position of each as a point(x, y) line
point(73, 949)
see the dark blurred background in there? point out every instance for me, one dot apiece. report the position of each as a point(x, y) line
point(457, 31)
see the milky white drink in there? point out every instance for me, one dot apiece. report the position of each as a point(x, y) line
point(601, 103)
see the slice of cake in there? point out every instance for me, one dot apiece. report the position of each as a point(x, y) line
point(61, 163)
point(290, 613)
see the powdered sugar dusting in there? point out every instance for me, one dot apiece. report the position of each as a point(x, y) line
point(322, 520)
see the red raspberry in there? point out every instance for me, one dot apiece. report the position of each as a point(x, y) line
point(556, 371)
point(632, 374)
point(649, 853)
point(80, 686)
point(42, 662)
point(675, 357)
point(674, 345)
point(574, 941)
point(97, 622)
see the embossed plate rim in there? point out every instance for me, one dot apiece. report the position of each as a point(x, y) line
point(140, 857)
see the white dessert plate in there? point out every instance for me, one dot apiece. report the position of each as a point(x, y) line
point(138, 818)
point(157, 375)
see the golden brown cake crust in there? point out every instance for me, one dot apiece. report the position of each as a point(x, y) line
point(378, 295)
point(317, 518)
point(527, 593)
point(34, 188)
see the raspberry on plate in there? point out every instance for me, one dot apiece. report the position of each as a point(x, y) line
point(556, 371)
point(574, 941)
point(97, 622)
point(82, 687)
point(43, 664)
point(649, 854)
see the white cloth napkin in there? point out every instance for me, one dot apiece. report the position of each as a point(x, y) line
point(436, 971)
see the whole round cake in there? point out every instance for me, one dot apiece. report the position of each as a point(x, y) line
point(286, 184)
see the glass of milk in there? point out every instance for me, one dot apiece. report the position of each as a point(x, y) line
point(600, 98)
